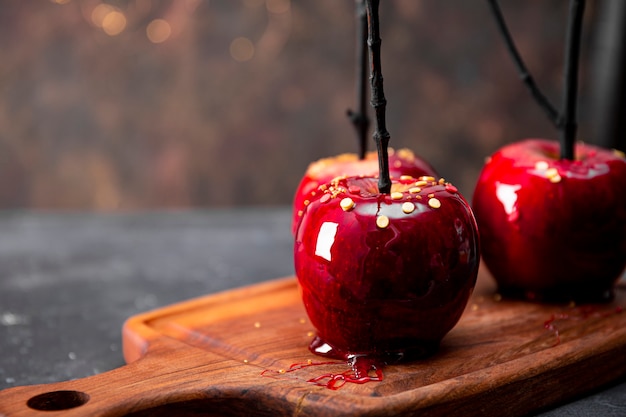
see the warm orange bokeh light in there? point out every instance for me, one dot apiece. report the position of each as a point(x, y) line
point(241, 49)
point(99, 13)
point(159, 30)
point(114, 23)
point(110, 19)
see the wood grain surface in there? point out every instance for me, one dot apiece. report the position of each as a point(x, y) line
point(244, 352)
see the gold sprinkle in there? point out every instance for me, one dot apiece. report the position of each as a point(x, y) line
point(245, 361)
point(431, 195)
point(442, 181)
point(397, 164)
point(554, 179)
point(382, 221)
point(434, 183)
point(408, 207)
point(257, 324)
point(281, 371)
point(427, 178)
point(406, 177)
point(553, 175)
point(415, 190)
point(497, 297)
point(421, 183)
point(474, 307)
point(347, 204)
point(302, 321)
point(309, 361)
point(310, 334)
point(619, 153)
point(396, 195)
point(541, 165)
point(300, 213)
point(552, 172)
point(418, 197)
point(434, 203)
point(306, 202)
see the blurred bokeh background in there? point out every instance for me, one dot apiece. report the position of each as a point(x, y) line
point(151, 104)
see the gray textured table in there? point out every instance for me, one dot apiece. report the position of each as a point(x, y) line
point(68, 281)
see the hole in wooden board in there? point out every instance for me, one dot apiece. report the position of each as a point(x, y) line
point(57, 400)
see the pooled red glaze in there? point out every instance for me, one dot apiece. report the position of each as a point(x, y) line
point(553, 230)
point(401, 162)
point(387, 293)
point(362, 370)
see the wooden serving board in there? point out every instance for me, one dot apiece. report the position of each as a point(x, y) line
point(232, 354)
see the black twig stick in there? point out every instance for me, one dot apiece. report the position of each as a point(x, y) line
point(359, 118)
point(570, 94)
point(523, 72)
point(565, 122)
point(378, 101)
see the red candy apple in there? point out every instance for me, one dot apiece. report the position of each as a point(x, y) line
point(401, 162)
point(385, 275)
point(552, 216)
point(553, 229)
point(386, 266)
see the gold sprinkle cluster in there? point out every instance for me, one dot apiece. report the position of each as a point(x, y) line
point(410, 189)
point(552, 174)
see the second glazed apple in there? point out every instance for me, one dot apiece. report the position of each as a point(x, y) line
point(553, 229)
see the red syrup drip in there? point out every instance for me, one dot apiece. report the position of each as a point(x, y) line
point(363, 368)
point(360, 372)
point(576, 314)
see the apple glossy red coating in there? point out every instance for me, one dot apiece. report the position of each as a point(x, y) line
point(385, 275)
point(551, 229)
point(401, 162)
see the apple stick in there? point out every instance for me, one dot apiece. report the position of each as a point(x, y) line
point(565, 122)
point(572, 53)
point(378, 101)
point(359, 118)
point(523, 72)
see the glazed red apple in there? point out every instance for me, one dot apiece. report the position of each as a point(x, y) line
point(553, 229)
point(401, 162)
point(385, 275)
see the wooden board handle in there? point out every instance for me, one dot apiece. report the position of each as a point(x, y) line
point(169, 373)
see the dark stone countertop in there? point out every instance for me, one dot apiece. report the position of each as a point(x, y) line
point(68, 281)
